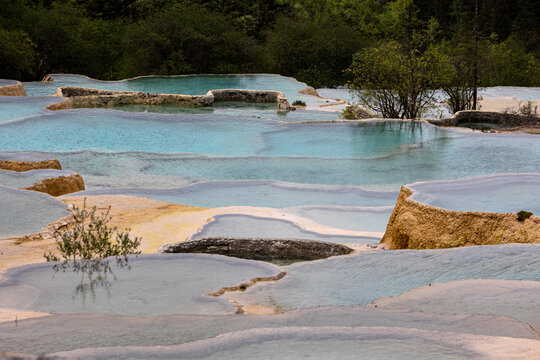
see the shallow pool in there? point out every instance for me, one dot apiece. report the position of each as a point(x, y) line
point(24, 212)
point(361, 278)
point(150, 285)
point(505, 193)
point(246, 226)
point(188, 85)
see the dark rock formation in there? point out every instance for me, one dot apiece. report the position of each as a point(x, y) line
point(260, 249)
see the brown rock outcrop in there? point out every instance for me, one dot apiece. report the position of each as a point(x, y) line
point(61, 185)
point(13, 90)
point(261, 249)
point(310, 91)
point(413, 225)
point(19, 166)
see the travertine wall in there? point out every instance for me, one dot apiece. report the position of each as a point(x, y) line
point(13, 90)
point(15, 165)
point(474, 116)
point(89, 98)
point(413, 225)
point(61, 185)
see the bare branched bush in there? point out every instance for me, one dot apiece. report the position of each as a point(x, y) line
point(90, 241)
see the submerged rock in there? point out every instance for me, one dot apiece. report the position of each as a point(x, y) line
point(260, 249)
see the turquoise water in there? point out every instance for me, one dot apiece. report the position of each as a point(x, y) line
point(343, 175)
point(245, 226)
point(99, 129)
point(446, 158)
point(188, 85)
point(243, 109)
point(150, 285)
point(174, 150)
point(19, 107)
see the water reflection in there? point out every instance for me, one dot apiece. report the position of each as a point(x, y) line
point(94, 274)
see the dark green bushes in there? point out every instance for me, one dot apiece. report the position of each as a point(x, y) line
point(312, 41)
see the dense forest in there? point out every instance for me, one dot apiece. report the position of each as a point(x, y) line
point(312, 40)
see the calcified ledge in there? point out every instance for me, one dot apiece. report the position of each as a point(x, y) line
point(414, 225)
point(20, 166)
point(47, 233)
point(78, 97)
point(16, 89)
point(506, 121)
point(260, 249)
point(60, 185)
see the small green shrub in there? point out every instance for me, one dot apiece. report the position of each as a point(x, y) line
point(298, 103)
point(87, 244)
point(355, 112)
point(348, 113)
point(522, 215)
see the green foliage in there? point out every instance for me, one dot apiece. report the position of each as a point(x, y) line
point(298, 103)
point(312, 52)
point(523, 215)
point(354, 112)
point(90, 241)
point(313, 41)
point(16, 54)
point(348, 113)
point(510, 63)
point(397, 83)
point(458, 80)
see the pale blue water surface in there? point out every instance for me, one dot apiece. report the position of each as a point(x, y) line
point(150, 285)
point(505, 193)
point(24, 212)
point(27, 178)
point(246, 226)
point(359, 279)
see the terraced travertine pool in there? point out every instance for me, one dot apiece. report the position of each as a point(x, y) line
point(341, 176)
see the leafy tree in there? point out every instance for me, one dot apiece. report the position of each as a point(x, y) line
point(510, 63)
point(312, 52)
point(394, 83)
point(399, 78)
point(17, 55)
